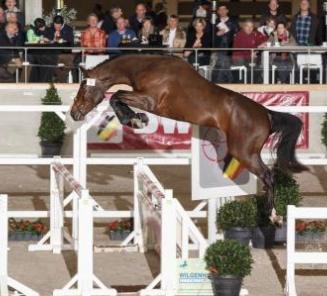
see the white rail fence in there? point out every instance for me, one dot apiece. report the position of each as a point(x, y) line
point(300, 257)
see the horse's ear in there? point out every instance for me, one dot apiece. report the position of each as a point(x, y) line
point(84, 72)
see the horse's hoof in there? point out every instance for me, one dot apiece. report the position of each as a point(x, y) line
point(276, 219)
point(143, 117)
point(136, 123)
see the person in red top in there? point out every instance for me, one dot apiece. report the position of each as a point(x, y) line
point(92, 36)
point(246, 38)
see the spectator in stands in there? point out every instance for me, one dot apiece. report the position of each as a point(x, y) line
point(146, 30)
point(173, 36)
point(305, 26)
point(9, 58)
point(92, 36)
point(62, 34)
point(11, 6)
point(116, 37)
point(273, 12)
point(110, 20)
point(160, 19)
point(268, 29)
point(35, 34)
point(2, 19)
point(59, 32)
point(11, 17)
point(198, 38)
point(136, 20)
point(246, 38)
point(225, 29)
point(283, 60)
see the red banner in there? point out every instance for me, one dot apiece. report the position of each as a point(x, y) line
point(166, 134)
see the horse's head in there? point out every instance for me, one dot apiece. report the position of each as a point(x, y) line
point(91, 92)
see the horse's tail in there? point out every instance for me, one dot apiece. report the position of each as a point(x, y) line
point(287, 128)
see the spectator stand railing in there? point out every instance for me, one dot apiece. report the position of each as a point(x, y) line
point(307, 58)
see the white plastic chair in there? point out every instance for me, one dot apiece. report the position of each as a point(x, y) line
point(310, 62)
point(243, 72)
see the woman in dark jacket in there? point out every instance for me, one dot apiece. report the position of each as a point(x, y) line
point(198, 37)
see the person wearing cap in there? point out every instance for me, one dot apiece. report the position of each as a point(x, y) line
point(305, 26)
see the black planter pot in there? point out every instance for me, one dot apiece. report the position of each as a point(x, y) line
point(226, 285)
point(50, 149)
point(263, 237)
point(240, 234)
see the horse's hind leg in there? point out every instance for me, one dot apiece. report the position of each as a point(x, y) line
point(120, 101)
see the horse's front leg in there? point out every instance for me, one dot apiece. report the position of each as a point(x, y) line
point(120, 103)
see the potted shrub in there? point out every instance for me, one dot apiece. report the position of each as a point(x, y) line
point(263, 235)
point(286, 193)
point(228, 262)
point(25, 230)
point(119, 230)
point(324, 131)
point(51, 130)
point(237, 218)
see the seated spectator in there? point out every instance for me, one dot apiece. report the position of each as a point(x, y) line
point(9, 58)
point(11, 6)
point(11, 17)
point(283, 60)
point(122, 33)
point(225, 29)
point(35, 34)
point(59, 32)
point(110, 20)
point(136, 20)
point(146, 30)
point(267, 29)
point(198, 38)
point(305, 26)
point(160, 18)
point(274, 13)
point(247, 37)
point(93, 37)
point(173, 36)
point(2, 19)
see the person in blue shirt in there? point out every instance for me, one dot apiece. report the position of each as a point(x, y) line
point(117, 36)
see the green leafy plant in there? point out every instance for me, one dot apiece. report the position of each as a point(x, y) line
point(52, 127)
point(228, 257)
point(68, 14)
point(238, 213)
point(324, 131)
point(287, 192)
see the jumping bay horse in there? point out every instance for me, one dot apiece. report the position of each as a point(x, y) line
point(169, 87)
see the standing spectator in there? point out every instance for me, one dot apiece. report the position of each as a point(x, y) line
point(110, 20)
point(9, 58)
point(246, 38)
point(225, 29)
point(11, 6)
point(305, 26)
point(173, 35)
point(92, 36)
point(198, 38)
point(283, 60)
point(117, 36)
point(160, 20)
point(273, 12)
point(146, 30)
point(2, 19)
point(136, 20)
